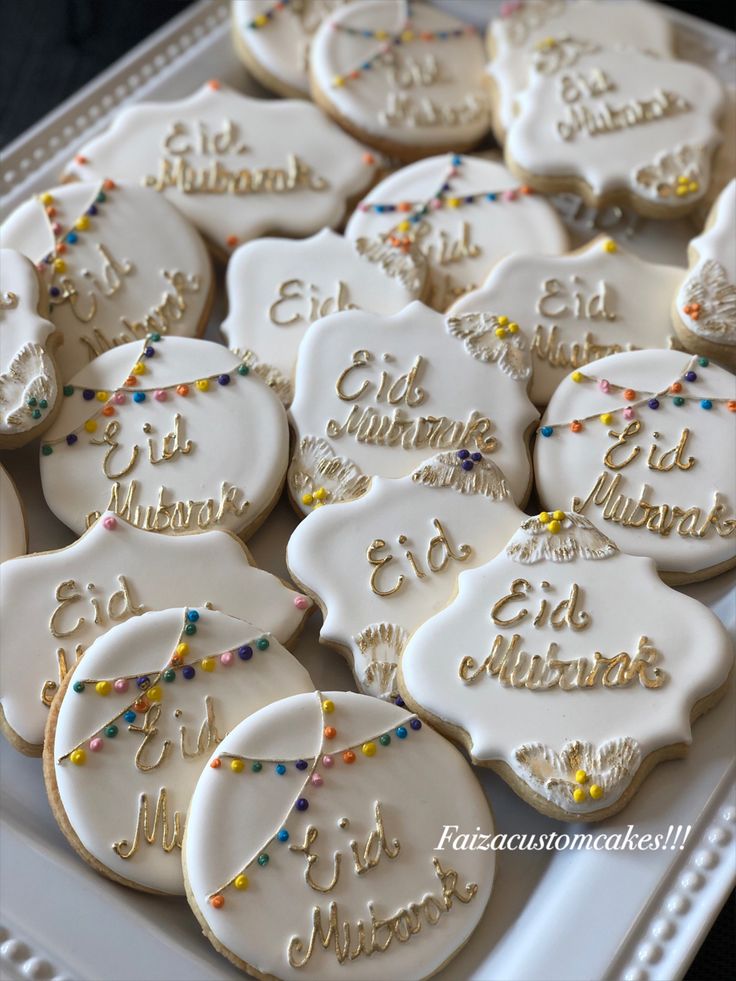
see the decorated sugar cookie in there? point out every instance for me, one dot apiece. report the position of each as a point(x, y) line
point(395, 555)
point(28, 374)
point(644, 444)
point(724, 160)
point(272, 38)
point(616, 125)
point(116, 262)
point(137, 721)
point(578, 307)
point(513, 38)
point(278, 287)
point(568, 667)
point(312, 839)
point(463, 213)
point(13, 534)
point(403, 76)
point(55, 604)
point(175, 435)
point(392, 391)
point(704, 313)
point(235, 166)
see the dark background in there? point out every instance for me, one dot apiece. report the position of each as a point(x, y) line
point(50, 48)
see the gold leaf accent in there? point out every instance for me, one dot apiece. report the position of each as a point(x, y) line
point(409, 267)
point(578, 538)
point(659, 180)
point(382, 645)
point(314, 465)
point(445, 470)
point(711, 289)
point(29, 375)
point(477, 330)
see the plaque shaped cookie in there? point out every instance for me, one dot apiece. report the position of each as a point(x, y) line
point(278, 287)
point(512, 39)
point(577, 308)
point(55, 604)
point(176, 435)
point(463, 213)
point(29, 386)
point(135, 724)
point(616, 126)
point(116, 262)
point(568, 667)
point(273, 40)
point(328, 809)
point(235, 166)
point(403, 76)
point(643, 444)
point(375, 396)
point(13, 535)
point(395, 555)
point(704, 314)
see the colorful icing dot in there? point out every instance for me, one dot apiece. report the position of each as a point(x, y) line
point(283, 835)
point(317, 780)
point(243, 369)
point(182, 648)
point(330, 732)
point(96, 744)
point(256, 767)
point(263, 859)
point(182, 390)
point(111, 731)
point(385, 739)
point(160, 395)
point(227, 658)
point(143, 682)
point(327, 761)
point(139, 397)
point(192, 616)
point(368, 749)
point(545, 518)
point(237, 766)
point(78, 757)
point(554, 527)
point(103, 687)
point(169, 675)
point(546, 431)
point(576, 426)
point(628, 413)
point(703, 362)
point(578, 795)
point(102, 396)
point(348, 756)
point(595, 791)
point(202, 384)
point(280, 769)
point(653, 403)
point(142, 705)
point(690, 376)
point(678, 400)
point(401, 732)
point(154, 694)
point(78, 687)
point(610, 246)
point(216, 763)
point(217, 901)
point(207, 664)
point(606, 418)
point(328, 706)
point(262, 644)
point(301, 602)
point(302, 804)
point(241, 882)
point(577, 376)
point(731, 405)
point(629, 394)
point(129, 716)
point(120, 685)
point(581, 776)
point(301, 764)
point(91, 425)
point(223, 379)
point(416, 724)
point(604, 385)
point(190, 629)
point(188, 672)
point(245, 653)
point(706, 404)
point(110, 522)
point(307, 498)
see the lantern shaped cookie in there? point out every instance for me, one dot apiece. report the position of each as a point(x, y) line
point(568, 667)
point(395, 555)
point(375, 396)
point(55, 604)
point(139, 718)
point(176, 435)
point(321, 816)
point(644, 444)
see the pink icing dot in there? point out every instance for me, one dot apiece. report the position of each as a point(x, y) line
point(317, 780)
point(363, 206)
point(55, 227)
point(119, 398)
point(604, 385)
point(160, 395)
point(301, 602)
point(110, 522)
point(628, 413)
point(435, 203)
point(96, 744)
point(509, 195)
point(226, 658)
point(327, 761)
point(121, 685)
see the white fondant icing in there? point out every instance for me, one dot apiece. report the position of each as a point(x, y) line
point(88, 582)
point(461, 244)
point(230, 447)
point(137, 267)
point(277, 288)
point(387, 426)
point(12, 521)
point(447, 519)
point(569, 465)
point(101, 798)
point(578, 307)
point(421, 784)
point(219, 138)
point(534, 731)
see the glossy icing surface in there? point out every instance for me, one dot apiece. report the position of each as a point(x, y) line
point(154, 758)
point(55, 604)
point(392, 805)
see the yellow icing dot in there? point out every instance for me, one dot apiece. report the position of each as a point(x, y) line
point(241, 881)
point(82, 223)
point(596, 792)
point(503, 320)
point(500, 332)
point(138, 368)
point(261, 20)
point(403, 226)
point(338, 81)
point(553, 527)
point(577, 376)
point(319, 504)
point(182, 649)
point(381, 35)
point(610, 246)
point(513, 327)
point(47, 198)
point(59, 265)
point(307, 498)
point(368, 749)
point(154, 694)
point(102, 396)
point(578, 795)
point(581, 777)
point(606, 418)
point(328, 706)
point(207, 664)
point(682, 179)
point(407, 35)
point(454, 202)
point(681, 191)
point(237, 766)
point(78, 757)
point(544, 518)
point(693, 186)
point(558, 515)
point(103, 687)
point(90, 425)
point(320, 493)
point(203, 384)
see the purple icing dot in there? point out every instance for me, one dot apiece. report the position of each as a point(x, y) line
point(143, 682)
point(690, 376)
point(301, 764)
point(399, 701)
point(88, 395)
point(415, 724)
point(223, 379)
point(149, 352)
point(469, 199)
point(302, 804)
point(55, 291)
point(476, 457)
point(467, 464)
point(92, 210)
point(463, 454)
point(653, 403)
point(245, 653)
point(188, 672)
point(71, 439)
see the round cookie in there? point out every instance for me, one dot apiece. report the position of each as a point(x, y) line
point(391, 391)
point(704, 314)
point(116, 262)
point(344, 844)
point(13, 533)
point(578, 307)
point(28, 373)
point(175, 434)
point(464, 214)
point(55, 604)
point(235, 166)
point(395, 555)
point(403, 76)
point(617, 126)
point(277, 287)
point(513, 36)
point(272, 38)
point(135, 724)
point(643, 443)
point(568, 667)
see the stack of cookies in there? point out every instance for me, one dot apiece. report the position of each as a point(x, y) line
point(501, 455)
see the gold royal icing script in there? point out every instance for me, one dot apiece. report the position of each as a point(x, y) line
point(183, 139)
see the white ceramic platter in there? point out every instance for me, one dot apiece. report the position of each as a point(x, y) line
point(566, 915)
